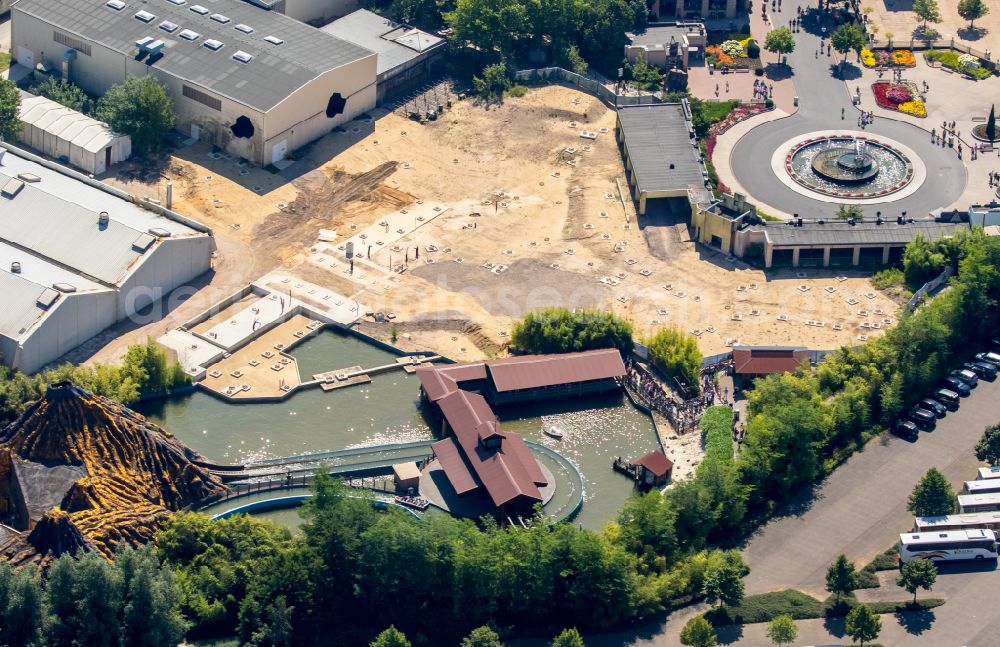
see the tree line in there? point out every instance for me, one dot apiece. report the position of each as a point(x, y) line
point(146, 370)
point(354, 570)
point(88, 601)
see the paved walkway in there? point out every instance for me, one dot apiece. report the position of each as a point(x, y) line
point(824, 104)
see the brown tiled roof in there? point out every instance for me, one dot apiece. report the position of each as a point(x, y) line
point(767, 360)
point(657, 463)
point(534, 371)
point(439, 381)
point(449, 454)
point(505, 471)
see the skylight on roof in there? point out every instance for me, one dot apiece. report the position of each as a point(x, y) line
point(219, 18)
point(274, 40)
point(145, 16)
point(117, 5)
point(187, 34)
point(168, 26)
point(246, 29)
point(200, 10)
point(242, 56)
point(212, 44)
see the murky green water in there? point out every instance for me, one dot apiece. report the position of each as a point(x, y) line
point(387, 411)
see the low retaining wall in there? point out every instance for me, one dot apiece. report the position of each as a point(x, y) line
point(591, 86)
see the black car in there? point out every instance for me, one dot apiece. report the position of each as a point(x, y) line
point(989, 358)
point(906, 429)
point(984, 370)
point(933, 406)
point(958, 386)
point(948, 398)
point(968, 377)
point(922, 418)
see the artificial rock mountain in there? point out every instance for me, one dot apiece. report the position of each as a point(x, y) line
point(79, 471)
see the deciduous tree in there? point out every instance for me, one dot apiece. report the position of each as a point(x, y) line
point(482, 637)
point(841, 577)
point(10, 110)
point(862, 624)
point(391, 637)
point(917, 574)
point(140, 107)
point(782, 630)
point(988, 447)
point(780, 41)
point(568, 638)
point(972, 10)
point(676, 354)
point(927, 10)
point(698, 632)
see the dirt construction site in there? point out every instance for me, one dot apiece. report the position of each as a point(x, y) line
point(461, 225)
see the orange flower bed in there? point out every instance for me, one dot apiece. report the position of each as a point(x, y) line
point(903, 57)
point(724, 59)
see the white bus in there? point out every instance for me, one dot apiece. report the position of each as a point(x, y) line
point(982, 487)
point(986, 473)
point(948, 546)
point(979, 502)
point(988, 520)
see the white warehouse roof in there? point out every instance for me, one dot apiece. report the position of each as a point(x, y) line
point(65, 123)
point(394, 43)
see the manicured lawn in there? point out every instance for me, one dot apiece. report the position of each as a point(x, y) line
point(4, 61)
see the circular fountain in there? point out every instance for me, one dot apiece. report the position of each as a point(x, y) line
point(848, 166)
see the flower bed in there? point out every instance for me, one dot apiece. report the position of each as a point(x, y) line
point(958, 62)
point(901, 97)
point(736, 115)
point(882, 58)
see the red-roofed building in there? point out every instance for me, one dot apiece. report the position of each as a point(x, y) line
point(752, 361)
point(479, 457)
point(655, 469)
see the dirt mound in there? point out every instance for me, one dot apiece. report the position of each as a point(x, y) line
point(126, 476)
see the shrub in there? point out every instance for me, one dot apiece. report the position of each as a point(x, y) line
point(758, 71)
point(891, 277)
point(732, 48)
point(558, 330)
point(753, 49)
point(517, 91)
point(676, 354)
point(140, 107)
point(717, 429)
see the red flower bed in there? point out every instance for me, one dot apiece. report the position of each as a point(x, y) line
point(890, 95)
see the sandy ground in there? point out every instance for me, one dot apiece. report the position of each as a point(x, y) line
point(897, 17)
point(532, 218)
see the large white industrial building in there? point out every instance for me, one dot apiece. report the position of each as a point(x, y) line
point(251, 81)
point(77, 256)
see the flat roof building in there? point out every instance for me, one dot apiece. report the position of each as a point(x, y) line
point(77, 256)
point(822, 243)
point(660, 152)
point(406, 55)
point(668, 45)
point(253, 82)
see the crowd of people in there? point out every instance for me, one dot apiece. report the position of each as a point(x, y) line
point(683, 414)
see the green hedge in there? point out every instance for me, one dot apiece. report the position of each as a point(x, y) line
point(767, 606)
point(949, 59)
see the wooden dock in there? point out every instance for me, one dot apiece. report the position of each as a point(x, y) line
point(341, 378)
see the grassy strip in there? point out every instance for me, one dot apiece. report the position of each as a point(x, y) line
point(949, 59)
point(4, 61)
point(887, 561)
point(717, 426)
point(767, 606)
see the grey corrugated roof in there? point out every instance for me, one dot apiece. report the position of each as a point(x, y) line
point(864, 233)
point(274, 72)
point(69, 125)
point(20, 309)
point(366, 29)
point(68, 233)
point(656, 137)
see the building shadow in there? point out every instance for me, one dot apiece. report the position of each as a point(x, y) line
point(916, 622)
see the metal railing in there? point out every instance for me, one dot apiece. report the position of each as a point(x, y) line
point(586, 84)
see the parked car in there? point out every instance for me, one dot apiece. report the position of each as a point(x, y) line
point(984, 370)
point(948, 398)
point(958, 386)
point(906, 430)
point(990, 358)
point(934, 407)
point(966, 376)
point(923, 418)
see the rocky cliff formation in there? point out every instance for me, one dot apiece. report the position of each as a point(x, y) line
point(80, 471)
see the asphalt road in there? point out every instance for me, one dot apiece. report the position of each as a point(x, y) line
point(822, 98)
